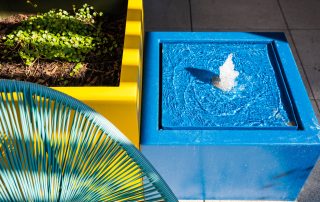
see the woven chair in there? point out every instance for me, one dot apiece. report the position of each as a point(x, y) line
point(55, 148)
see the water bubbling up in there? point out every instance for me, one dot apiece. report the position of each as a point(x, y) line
point(227, 77)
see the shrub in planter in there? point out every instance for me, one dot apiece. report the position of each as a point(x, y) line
point(61, 48)
point(76, 49)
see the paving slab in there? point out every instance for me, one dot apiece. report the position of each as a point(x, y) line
point(306, 83)
point(167, 15)
point(230, 14)
point(310, 191)
point(308, 46)
point(313, 75)
point(301, 14)
point(315, 108)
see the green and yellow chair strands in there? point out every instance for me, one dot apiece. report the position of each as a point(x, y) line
point(55, 148)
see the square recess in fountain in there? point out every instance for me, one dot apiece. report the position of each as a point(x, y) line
point(191, 101)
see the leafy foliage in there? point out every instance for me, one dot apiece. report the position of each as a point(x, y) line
point(32, 4)
point(61, 35)
point(76, 69)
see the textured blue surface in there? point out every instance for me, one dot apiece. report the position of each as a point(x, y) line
point(189, 100)
point(234, 172)
point(209, 163)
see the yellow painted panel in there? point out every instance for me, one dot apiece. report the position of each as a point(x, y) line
point(121, 105)
point(133, 42)
point(134, 28)
point(135, 10)
point(109, 94)
point(131, 57)
point(135, 4)
point(130, 66)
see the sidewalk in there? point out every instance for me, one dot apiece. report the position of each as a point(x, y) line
point(299, 20)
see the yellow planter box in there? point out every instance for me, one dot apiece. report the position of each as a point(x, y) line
point(121, 105)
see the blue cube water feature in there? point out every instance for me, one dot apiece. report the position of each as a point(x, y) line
point(258, 141)
point(190, 100)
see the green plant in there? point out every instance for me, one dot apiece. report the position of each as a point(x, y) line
point(61, 35)
point(76, 69)
point(31, 3)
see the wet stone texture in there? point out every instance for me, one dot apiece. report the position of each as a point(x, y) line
point(190, 100)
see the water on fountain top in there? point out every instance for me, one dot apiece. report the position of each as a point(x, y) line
point(190, 100)
point(227, 76)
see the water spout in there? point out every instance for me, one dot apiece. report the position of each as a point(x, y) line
point(227, 77)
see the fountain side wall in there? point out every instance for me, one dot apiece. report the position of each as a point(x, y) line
point(237, 172)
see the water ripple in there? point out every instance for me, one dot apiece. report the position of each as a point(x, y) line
point(190, 100)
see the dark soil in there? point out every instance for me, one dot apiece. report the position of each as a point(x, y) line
point(96, 71)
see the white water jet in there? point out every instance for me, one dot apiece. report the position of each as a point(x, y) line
point(227, 77)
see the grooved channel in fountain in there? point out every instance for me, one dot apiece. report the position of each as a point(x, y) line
point(190, 100)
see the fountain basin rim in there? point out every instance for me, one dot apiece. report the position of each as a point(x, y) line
point(307, 133)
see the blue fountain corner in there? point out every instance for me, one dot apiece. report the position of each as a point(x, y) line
point(240, 163)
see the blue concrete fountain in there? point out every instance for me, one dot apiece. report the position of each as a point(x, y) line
point(226, 116)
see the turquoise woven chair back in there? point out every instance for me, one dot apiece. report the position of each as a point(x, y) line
point(55, 148)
